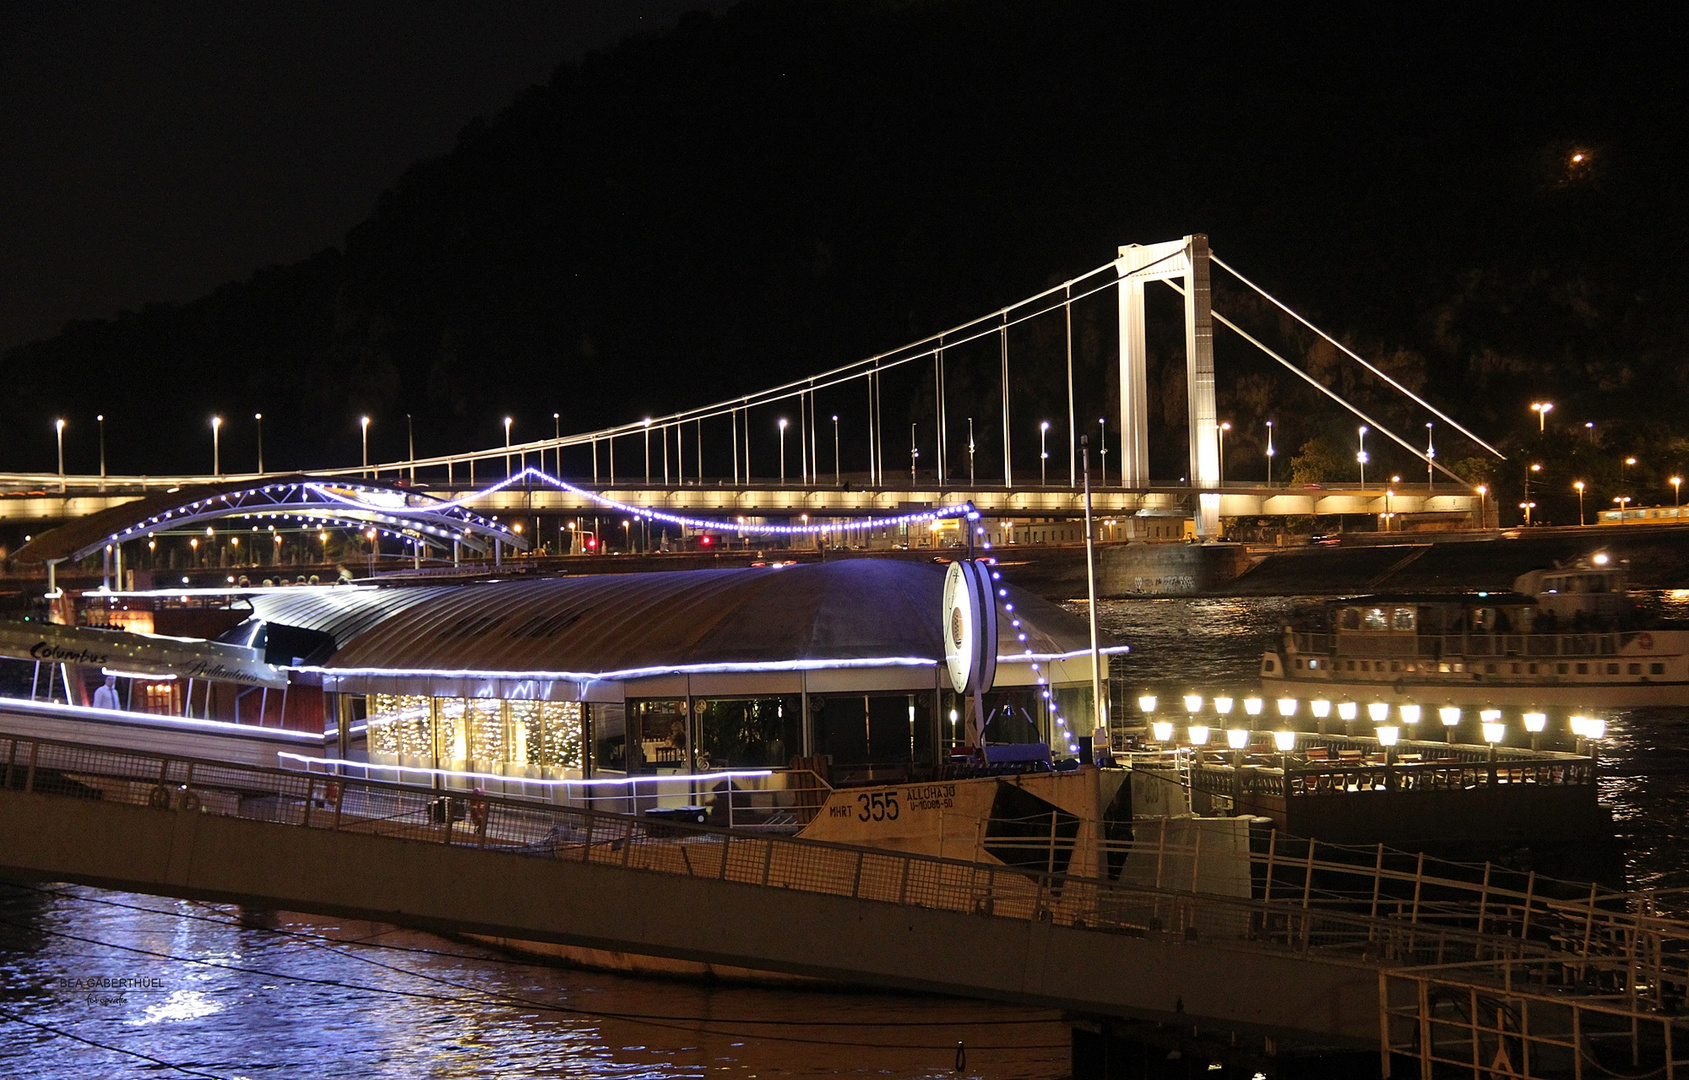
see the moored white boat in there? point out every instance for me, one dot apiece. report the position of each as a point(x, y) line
point(1568, 636)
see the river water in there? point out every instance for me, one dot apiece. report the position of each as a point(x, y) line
point(98, 984)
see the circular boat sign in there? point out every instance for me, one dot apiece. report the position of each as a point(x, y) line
point(959, 628)
point(970, 627)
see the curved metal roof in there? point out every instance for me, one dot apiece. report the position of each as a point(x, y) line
point(356, 504)
point(340, 611)
point(855, 610)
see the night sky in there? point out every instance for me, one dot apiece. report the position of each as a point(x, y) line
point(154, 151)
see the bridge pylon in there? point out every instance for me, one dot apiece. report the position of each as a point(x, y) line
point(1136, 264)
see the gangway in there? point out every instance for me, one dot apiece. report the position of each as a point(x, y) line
point(1428, 979)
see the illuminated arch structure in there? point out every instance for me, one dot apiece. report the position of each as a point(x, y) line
point(353, 504)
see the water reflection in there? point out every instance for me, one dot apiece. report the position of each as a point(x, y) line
point(213, 989)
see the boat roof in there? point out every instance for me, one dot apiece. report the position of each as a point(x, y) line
point(843, 611)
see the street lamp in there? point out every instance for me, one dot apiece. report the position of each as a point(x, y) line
point(1624, 504)
point(1102, 448)
point(1624, 467)
point(507, 446)
point(1483, 517)
point(1270, 453)
point(556, 434)
point(59, 433)
point(258, 418)
point(1360, 454)
point(1043, 456)
point(363, 426)
point(836, 474)
point(102, 422)
point(970, 451)
point(1542, 409)
point(1430, 455)
point(782, 425)
point(1220, 431)
point(1389, 493)
point(216, 446)
point(1676, 490)
point(914, 454)
point(1579, 486)
point(1527, 504)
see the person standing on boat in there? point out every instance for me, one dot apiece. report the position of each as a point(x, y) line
point(106, 696)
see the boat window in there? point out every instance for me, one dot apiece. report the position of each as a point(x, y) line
point(1350, 619)
point(1635, 669)
point(1376, 619)
point(1656, 669)
point(1553, 584)
point(1404, 618)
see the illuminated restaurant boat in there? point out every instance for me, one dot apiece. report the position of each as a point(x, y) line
point(1569, 636)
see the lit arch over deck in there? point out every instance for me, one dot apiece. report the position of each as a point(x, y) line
point(301, 500)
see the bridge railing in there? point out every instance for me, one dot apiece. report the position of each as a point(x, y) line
point(1302, 903)
point(1521, 1019)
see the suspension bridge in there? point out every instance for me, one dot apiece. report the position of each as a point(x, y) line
point(782, 453)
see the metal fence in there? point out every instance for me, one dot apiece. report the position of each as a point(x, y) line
point(1439, 926)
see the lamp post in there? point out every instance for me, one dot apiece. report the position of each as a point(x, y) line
point(59, 434)
point(836, 473)
point(914, 454)
point(1527, 505)
point(410, 443)
point(1389, 492)
point(1676, 490)
point(1579, 486)
point(363, 425)
point(258, 419)
point(970, 451)
point(1483, 516)
point(1542, 409)
point(1589, 428)
point(1360, 454)
point(216, 446)
point(1624, 504)
point(1102, 449)
point(1220, 432)
point(1430, 455)
point(1624, 468)
point(782, 425)
point(507, 421)
point(1043, 456)
point(1270, 453)
point(101, 418)
point(557, 436)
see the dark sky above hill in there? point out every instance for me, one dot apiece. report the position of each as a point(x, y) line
point(149, 152)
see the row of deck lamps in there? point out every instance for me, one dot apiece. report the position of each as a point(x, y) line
point(1495, 731)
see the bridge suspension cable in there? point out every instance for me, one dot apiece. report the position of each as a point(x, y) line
point(1445, 417)
point(1324, 389)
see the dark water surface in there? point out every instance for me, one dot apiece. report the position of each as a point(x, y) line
point(230, 994)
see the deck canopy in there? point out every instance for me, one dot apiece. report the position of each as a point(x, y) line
point(298, 501)
point(854, 612)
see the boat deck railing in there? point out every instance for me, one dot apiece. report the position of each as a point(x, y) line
point(1463, 645)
